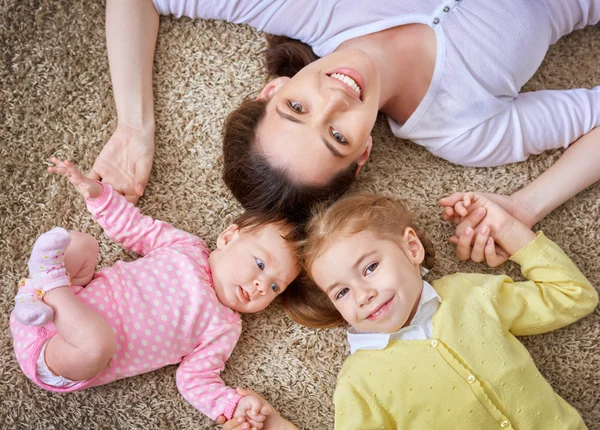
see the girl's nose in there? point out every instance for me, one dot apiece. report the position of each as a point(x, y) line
point(364, 294)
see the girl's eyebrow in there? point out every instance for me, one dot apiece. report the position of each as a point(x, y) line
point(362, 258)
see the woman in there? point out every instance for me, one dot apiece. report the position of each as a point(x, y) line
point(446, 74)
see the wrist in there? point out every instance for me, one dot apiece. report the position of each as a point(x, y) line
point(514, 236)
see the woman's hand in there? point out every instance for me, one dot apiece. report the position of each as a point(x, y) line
point(454, 207)
point(125, 161)
point(87, 187)
point(484, 224)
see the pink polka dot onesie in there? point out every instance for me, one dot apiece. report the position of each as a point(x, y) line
point(162, 308)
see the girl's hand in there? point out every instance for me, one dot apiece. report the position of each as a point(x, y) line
point(88, 188)
point(482, 220)
point(274, 421)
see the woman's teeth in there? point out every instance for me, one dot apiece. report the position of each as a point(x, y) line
point(348, 81)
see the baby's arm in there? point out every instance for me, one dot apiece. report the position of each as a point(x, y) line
point(198, 375)
point(122, 221)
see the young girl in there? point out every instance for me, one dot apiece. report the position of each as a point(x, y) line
point(443, 355)
point(74, 328)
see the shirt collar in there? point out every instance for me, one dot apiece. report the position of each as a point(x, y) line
point(375, 341)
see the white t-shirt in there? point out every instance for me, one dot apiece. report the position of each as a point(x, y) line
point(472, 113)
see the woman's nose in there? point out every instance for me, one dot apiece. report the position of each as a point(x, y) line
point(335, 101)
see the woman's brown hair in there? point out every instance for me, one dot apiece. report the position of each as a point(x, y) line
point(254, 182)
point(386, 217)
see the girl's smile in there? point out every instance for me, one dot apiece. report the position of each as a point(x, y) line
point(375, 283)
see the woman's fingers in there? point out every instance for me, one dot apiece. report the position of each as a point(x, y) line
point(472, 221)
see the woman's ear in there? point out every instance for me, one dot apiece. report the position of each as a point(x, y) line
point(272, 87)
point(416, 251)
point(364, 156)
point(230, 234)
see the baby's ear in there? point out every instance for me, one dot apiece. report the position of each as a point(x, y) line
point(230, 234)
point(415, 247)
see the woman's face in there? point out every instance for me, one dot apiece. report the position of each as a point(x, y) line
point(319, 122)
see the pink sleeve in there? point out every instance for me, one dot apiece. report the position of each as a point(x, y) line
point(198, 375)
point(124, 223)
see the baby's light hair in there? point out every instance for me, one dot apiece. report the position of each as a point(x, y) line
point(385, 217)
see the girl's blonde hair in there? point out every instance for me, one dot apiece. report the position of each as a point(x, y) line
point(386, 217)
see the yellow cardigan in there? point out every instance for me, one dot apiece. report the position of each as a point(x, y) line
point(474, 374)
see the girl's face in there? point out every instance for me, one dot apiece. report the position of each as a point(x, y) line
point(251, 268)
point(319, 122)
point(374, 283)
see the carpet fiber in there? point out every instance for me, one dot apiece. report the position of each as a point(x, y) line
point(56, 98)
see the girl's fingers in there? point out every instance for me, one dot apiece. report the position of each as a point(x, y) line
point(491, 257)
point(463, 247)
point(478, 251)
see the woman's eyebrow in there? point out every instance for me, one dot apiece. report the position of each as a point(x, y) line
point(288, 117)
point(334, 151)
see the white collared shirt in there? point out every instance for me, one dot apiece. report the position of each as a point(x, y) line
point(419, 328)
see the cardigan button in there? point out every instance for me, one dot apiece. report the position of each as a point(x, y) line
point(471, 379)
point(504, 424)
point(434, 343)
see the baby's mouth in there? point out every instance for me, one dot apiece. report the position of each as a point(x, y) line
point(244, 294)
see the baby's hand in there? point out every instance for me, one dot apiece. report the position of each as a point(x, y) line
point(87, 187)
point(255, 410)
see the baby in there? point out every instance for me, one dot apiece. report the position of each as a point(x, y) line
point(74, 328)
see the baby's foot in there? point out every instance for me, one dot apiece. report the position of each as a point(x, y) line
point(48, 252)
point(46, 272)
point(29, 307)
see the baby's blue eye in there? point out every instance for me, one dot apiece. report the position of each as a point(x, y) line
point(260, 264)
point(341, 293)
point(371, 268)
point(274, 287)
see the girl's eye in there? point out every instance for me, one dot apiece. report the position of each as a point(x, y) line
point(371, 268)
point(296, 107)
point(260, 264)
point(274, 287)
point(341, 293)
point(338, 136)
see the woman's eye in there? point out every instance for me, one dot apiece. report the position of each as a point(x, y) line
point(341, 293)
point(296, 107)
point(260, 264)
point(371, 268)
point(338, 136)
point(274, 287)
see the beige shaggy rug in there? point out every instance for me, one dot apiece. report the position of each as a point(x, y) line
point(56, 98)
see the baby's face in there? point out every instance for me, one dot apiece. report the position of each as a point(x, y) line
point(251, 268)
point(373, 282)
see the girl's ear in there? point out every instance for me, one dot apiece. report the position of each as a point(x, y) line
point(272, 87)
point(230, 234)
point(416, 251)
